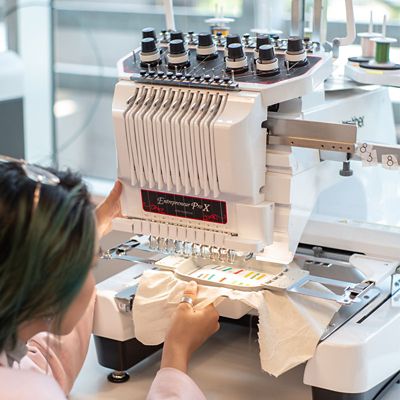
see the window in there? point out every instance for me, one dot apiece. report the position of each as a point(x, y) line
point(91, 35)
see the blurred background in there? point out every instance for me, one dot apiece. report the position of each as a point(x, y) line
point(69, 50)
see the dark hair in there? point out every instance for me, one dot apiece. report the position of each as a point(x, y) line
point(45, 251)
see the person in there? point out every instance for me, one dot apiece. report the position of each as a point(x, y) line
point(49, 233)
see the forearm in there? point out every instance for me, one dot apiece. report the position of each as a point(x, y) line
point(174, 356)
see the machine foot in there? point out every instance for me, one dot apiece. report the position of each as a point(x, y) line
point(118, 377)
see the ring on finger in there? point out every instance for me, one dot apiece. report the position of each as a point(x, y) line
point(187, 299)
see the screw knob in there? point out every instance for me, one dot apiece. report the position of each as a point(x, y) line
point(266, 53)
point(232, 38)
point(176, 46)
point(205, 39)
point(261, 40)
point(149, 33)
point(295, 44)
point(149, 45)
point(235, 51)
point(175, 35)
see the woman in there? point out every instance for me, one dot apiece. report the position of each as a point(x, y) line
point(49, 235)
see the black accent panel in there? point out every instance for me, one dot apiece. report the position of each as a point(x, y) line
point(121, 356)
point(375, 393)
point(177, 205)
point(12, 128)
point(217, 67)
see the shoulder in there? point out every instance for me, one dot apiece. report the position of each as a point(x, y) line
point(21, 384)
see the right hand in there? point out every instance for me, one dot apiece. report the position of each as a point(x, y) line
point(189, 330)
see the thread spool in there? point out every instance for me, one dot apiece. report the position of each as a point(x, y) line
point(382, 49)
point(367, 44)
point(220, 25)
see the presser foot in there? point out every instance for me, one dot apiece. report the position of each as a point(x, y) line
point(118, 377)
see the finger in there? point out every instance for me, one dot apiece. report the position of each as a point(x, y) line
point(210, 309)
point(185, 307)
point(111, 205)
point(191, 290)
point(209, 312)
point(115, 193)
point(112, 200)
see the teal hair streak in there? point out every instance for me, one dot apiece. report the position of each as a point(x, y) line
point(52, 249)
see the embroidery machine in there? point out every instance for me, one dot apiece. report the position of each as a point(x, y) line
point(233, 151)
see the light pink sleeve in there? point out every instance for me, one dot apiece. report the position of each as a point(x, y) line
point(61, 356)
point(172, 384)
point(21, 384)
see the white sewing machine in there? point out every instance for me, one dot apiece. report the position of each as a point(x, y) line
point(231, 150)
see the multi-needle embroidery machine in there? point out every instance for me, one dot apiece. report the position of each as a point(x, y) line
point(243, 166)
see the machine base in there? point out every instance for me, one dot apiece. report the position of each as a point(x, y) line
point(375, 393)
point(120, 356)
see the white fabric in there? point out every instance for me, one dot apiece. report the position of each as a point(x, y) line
point(290, 326)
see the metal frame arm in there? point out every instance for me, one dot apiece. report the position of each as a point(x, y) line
point(350, 30)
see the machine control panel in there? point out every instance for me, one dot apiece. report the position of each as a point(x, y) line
point(215, 62)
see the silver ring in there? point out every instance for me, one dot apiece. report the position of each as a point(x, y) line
point(187, 299)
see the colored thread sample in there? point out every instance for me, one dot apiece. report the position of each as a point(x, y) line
point(231, 276)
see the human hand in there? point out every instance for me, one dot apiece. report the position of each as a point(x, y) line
point(109, 209)
point(188, 331)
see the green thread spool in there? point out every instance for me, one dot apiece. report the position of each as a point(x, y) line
point(382, 50)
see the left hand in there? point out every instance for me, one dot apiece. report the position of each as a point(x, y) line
point(109, 209)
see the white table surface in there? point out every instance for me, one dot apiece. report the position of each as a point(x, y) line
point(226, 367)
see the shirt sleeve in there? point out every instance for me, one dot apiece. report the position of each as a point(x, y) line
point(61, 356)
point(172, 384)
